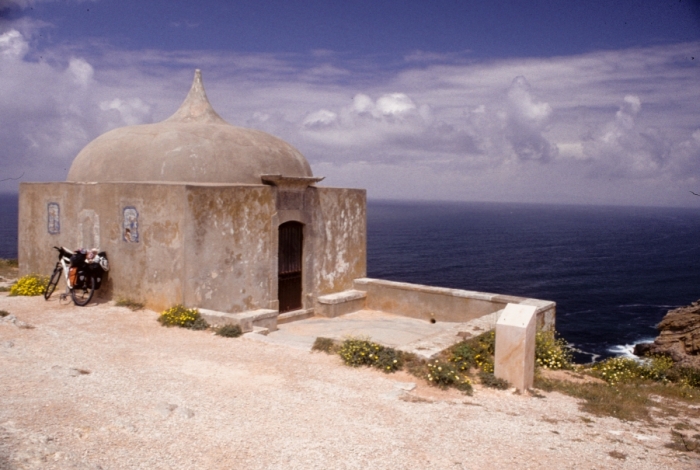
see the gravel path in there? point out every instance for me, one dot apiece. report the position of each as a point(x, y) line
point(103, 387)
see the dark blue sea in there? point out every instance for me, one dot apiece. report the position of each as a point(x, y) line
point(613, 271)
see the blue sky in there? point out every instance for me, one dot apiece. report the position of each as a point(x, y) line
point(539, 101)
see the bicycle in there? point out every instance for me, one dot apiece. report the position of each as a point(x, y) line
point(85, 278)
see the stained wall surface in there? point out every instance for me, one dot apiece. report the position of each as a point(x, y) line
point(339, 228)
point(210, 246)
point(231, 250)
point(146, 262)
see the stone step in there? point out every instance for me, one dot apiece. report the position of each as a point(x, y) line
point(295, 315)
point(246, 320)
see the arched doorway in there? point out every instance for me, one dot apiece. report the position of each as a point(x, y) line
point(291, 242)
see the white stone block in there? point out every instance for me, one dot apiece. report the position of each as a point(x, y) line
point(515, 345)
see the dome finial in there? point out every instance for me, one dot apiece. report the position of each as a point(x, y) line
point(196, 107)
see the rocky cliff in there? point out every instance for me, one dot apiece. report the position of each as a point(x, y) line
point(679, 336)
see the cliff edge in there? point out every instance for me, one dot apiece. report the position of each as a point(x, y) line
point(679, 336)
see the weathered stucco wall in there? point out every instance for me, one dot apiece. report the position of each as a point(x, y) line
point(146, 261)
point(339, 231)
point(231, 247)
point(443, 304)
point(209, 246)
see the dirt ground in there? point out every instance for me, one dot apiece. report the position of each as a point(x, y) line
point(102, 387)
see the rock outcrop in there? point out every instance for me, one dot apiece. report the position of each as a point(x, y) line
point(679, 336)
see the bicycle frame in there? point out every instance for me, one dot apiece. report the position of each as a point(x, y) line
point(65, 265)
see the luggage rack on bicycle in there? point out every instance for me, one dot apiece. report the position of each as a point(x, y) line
point(83, 272)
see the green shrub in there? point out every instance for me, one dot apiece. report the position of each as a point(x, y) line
point(229, 331)
point(487, 379)
point(357, 352)
point(616, 370)
point(183, 317)
point(685, 376)
point(325, 345)
point(199, 324)
point(551, 352)
point(474, 353)
point(388, 360)
point(444, 375)
point(656, 368)
point(29, 285)
point(130, 304)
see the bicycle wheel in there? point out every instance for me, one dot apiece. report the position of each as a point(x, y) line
point(53, 281)
point(82, 295)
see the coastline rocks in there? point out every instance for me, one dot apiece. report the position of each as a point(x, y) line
point(679, 336)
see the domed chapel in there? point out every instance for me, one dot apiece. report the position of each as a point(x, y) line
point(195, 211)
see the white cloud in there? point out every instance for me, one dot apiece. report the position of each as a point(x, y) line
point(131, 111)
point(612, 126)
point(395, 104)
point(526, 122)
point(320, 118)
point(81, 71)
point(621, 149)
point(13, 45)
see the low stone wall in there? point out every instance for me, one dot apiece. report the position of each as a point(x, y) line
point(443, 304)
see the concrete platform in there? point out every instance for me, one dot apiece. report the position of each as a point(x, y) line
point(407, 334)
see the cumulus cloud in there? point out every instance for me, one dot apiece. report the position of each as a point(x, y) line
point(527, 120)
point(613, 126)
point(82, 71)
point(48, 112)
point(621, 149)
point(13, 45)
point(131, 111)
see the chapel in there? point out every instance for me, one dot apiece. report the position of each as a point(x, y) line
point(195, 211)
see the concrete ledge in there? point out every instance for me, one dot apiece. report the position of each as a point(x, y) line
point(443, 304)
point(340, 303)
point(262, 318)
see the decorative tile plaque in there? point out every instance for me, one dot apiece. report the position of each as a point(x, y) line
point(54, 218)
point(130, 232)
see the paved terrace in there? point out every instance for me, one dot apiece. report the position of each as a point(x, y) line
point(421, 337)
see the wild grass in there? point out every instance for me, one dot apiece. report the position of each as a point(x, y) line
point(444, 375)
point(9, 269)
point(229, 331)
point(630, 401)
point(130, 304)
point(326, 345)
point(487, 379)
point(474, 353)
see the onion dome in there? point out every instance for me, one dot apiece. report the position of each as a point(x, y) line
point(194, 145)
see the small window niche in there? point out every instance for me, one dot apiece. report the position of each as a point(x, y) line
point(54, 218)
point(130, 229)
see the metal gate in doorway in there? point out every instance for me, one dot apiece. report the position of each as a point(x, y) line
point(291, 241)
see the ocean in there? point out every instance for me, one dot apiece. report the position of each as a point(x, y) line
point(613, 271)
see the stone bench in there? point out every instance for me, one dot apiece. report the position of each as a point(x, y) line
point(340, 303)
